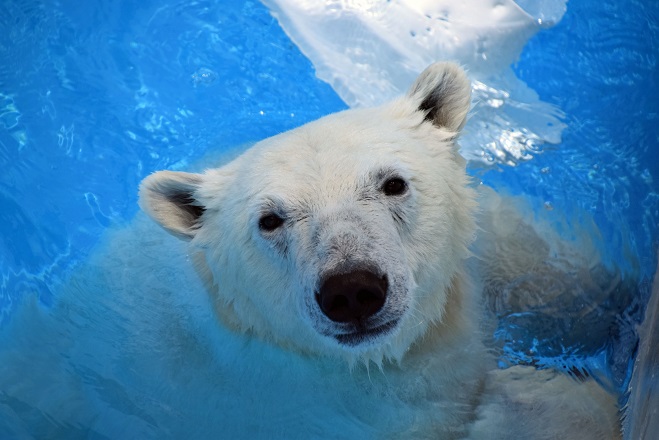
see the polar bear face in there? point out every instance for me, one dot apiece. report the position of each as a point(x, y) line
point(341, 237)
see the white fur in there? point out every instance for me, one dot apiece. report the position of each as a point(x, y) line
point(280, 371)
point(324, 179)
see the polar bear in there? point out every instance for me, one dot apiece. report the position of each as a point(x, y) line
point(347, 238)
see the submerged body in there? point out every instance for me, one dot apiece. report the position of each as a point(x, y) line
point(340, 300)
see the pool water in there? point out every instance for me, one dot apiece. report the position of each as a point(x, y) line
point(96, 95)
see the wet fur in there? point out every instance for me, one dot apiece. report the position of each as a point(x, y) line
point(256, 358)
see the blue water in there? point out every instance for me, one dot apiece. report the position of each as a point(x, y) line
point(599, 65)
point(96, 95)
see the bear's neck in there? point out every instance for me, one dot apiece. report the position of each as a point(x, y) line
point(458, 328)
point(440, 379)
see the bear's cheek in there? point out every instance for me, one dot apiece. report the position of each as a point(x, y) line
point(431, 241)
point(250, 277)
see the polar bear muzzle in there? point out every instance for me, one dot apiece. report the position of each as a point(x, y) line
point(352, 297)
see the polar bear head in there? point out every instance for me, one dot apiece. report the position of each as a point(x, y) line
point(344, 236)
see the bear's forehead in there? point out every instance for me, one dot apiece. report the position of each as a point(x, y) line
point(341, 157)
point(346, 145)
point(320, 172)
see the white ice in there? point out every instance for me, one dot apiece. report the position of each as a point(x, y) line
point(371, 50)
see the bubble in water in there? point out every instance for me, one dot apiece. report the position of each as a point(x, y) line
point(203, 76)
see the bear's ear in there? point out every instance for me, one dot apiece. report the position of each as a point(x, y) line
point(443, 92)
point(169, 198)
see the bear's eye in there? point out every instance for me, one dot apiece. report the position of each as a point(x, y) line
point(270, 222)
point(394, 186)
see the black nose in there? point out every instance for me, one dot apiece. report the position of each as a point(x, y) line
point(352, 296)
